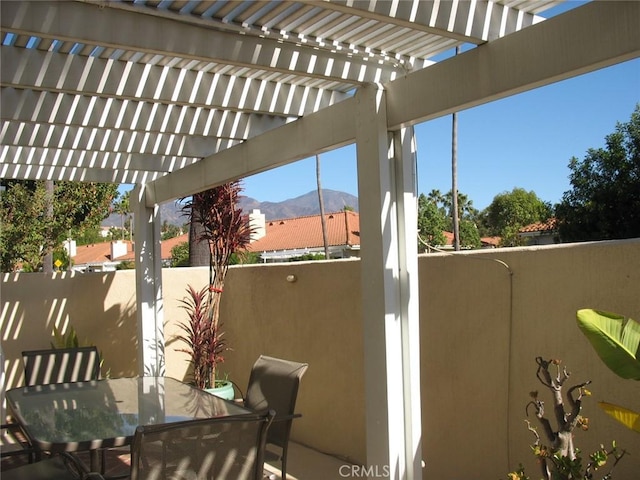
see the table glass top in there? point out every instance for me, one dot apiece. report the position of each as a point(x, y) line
point(74, 416)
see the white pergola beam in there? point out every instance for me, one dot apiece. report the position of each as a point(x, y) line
point(149, 301)
point(473, 22)
point(73, 174)
point(388, 208)
point(315, 133)
point(62, 157)
point(594, 36)
point(84, 141)
point(522, 61)
point(89, 76)
point(50, 108)
point(129, 30)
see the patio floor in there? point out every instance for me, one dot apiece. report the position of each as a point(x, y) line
point(304, 464)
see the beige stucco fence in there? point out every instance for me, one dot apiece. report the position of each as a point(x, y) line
point(485, 316)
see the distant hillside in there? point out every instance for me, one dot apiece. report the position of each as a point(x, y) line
point(306, 204)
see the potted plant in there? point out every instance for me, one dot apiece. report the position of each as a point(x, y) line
point(226, 231)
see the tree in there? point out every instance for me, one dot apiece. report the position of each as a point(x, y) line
point(122, 208)
point(431, 222)
point(28, 234)
point(510, 211)
point(180, 255)
point(604, 202)
point(469, 234)
point(323, 221)
point(91, 235)
point(170, 231)
point(435, 216)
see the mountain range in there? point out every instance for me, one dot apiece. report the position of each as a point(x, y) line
point(304, 205)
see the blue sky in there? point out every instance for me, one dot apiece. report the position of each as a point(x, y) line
point(522, 141)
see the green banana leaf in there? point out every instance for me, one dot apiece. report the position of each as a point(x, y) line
point(627, 417)
point(615, 338)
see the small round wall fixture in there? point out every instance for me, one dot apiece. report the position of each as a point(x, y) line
point(291, 278)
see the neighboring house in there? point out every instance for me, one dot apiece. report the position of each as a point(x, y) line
point(106, 256)
point(540, 233)
point(99, 257)
point(282, 240)
point(490, 242)
point(485, 242)
point(274, 240)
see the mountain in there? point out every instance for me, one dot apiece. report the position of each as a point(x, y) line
point(301, 206)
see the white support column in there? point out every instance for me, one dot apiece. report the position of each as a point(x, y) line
point(388, 224)
point(148, 284)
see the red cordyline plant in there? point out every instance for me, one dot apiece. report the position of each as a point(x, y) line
point(226, 231)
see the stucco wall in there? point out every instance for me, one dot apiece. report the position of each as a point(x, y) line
point(485, 316)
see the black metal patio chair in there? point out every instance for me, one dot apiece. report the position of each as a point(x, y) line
point(220, 448)
point(13, 442)
point(273, 385)
point(61, 365)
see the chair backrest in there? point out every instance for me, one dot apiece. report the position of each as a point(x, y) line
point(61, 365)
point(224, 448)
point(273, 385)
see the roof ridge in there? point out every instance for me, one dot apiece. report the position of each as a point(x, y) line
point(306, 216)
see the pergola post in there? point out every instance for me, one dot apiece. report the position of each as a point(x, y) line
point(148, 284)
point(388, 226)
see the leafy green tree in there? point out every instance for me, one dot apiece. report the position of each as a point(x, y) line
point(604, 202)
point(122, 207)
point(170, 231)
point(180, 255)
point(28, 234)
point(246, 258)
point(431, 222)
point(510, 211)
point(89, 236)
point(434, 217)
point(469, 234)
point(468, 218)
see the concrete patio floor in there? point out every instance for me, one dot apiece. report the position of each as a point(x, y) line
point(304, 464)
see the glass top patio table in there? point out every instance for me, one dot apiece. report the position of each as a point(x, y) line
point(105, 413)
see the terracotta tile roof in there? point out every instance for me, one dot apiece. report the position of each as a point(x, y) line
point(94, 253)
point(547, 226)
point(343, 228)
point(101, 252)
point(484, 241)
point(491, 241)
point(167, 245)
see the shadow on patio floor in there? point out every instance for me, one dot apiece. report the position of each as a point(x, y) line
point(304, 464)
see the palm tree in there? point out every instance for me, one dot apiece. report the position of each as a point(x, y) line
point(122, 208)
point(454, 177)
point(323, 221)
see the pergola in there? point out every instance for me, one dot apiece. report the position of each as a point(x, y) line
point(180, 96)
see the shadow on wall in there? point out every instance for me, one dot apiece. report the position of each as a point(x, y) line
point(33, 304)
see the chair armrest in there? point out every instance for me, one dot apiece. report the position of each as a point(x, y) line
point(283, 418)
